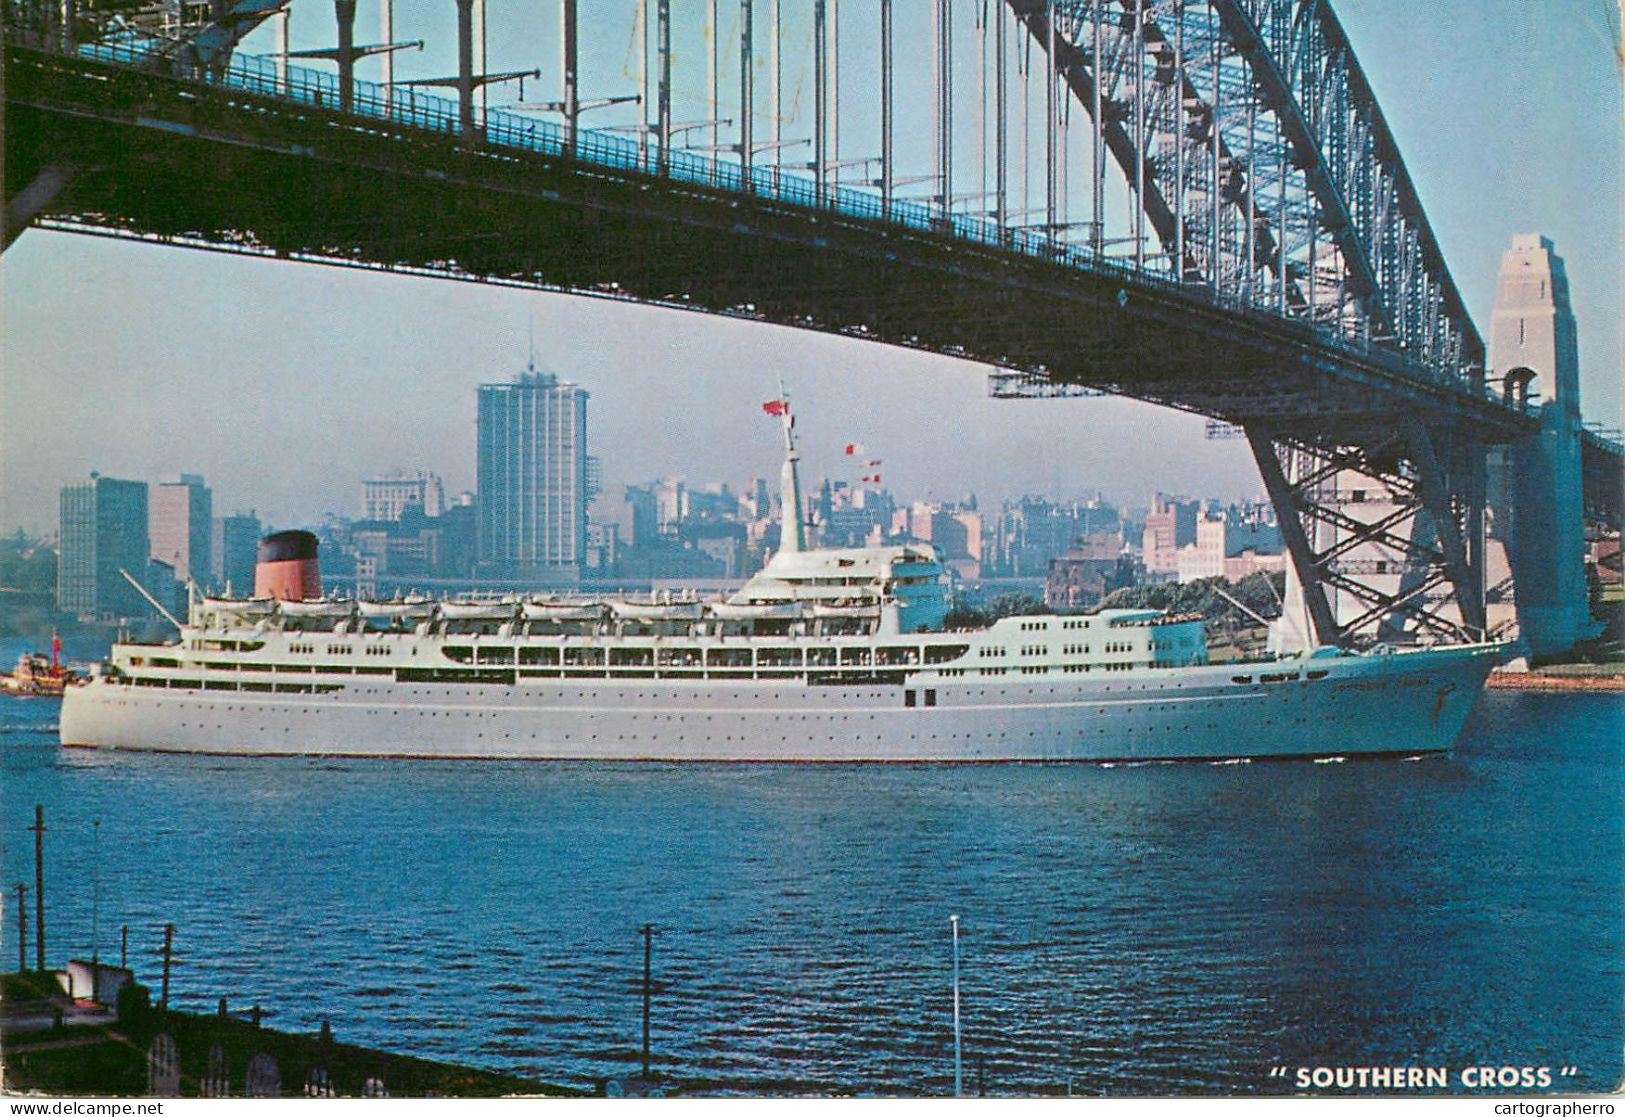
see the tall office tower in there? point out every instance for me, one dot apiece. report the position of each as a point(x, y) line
point(180, 513)
point(236, 543)
point(103, 531)
point(388, 498)
point(1170, 525)
point(533, 478)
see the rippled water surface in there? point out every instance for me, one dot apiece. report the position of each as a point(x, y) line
point(1133, 929)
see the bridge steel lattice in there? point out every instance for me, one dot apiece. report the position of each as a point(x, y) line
point(1222, 220)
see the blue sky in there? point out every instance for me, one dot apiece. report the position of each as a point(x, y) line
point(286, 384)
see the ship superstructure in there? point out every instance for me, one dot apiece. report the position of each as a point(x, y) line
point(826, 654)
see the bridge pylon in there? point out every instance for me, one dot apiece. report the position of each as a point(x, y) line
point(1537, 507)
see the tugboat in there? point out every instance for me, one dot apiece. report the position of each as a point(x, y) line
point(39, 677)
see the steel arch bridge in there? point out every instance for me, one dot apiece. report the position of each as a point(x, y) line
point(1222, 220)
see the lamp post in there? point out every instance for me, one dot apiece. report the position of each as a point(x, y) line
point(95, 901)
point(959, 1077)
point(647, 931)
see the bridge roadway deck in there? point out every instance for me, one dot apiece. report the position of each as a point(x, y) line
point(158, 156)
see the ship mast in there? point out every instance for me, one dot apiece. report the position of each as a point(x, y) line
point(792, 537)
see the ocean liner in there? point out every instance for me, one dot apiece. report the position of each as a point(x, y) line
point(827, 654)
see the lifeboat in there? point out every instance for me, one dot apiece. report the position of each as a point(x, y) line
point(396, 610)
point(656, 610)
point(755, 610)
point(561, 610)
point(318, 608)
point(238, 607)
point(477, 610)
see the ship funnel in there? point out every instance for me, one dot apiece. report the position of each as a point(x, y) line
point(287, 568)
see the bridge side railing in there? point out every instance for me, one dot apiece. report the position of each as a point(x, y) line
point(413, 108)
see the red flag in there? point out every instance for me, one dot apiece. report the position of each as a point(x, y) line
point(776, 406)
point(853, 449)
point(871, 479)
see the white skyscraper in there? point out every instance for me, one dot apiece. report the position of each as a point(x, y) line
point(533, 477)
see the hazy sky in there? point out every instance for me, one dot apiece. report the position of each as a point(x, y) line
point(285, 384)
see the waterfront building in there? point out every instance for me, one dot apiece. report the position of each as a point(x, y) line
point(1027, 534)
point(1169, 525)
point(388, 497)
point(533, 481)
point(180, 522)
point(603, 547)
point(103, 530)
point(858, 515)
point(956, 530)
point(1092, 567)
point(405, 551)
point(1231, 544)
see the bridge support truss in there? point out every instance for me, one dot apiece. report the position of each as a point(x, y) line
point(1385, 541)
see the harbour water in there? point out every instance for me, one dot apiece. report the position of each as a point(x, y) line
point(1151, 929)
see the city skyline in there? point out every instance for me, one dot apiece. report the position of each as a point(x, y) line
point(207, 377)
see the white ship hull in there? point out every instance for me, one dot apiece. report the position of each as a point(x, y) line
point(1403, 703)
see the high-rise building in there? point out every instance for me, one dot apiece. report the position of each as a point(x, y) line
point(1170, 525)
point(388, 498)
point(533, 479)
point(236, 542)
point(103, 531)
point(180, 512)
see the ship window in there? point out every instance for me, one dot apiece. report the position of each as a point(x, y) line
point(944, 653)
point(908, 698)
point(821, 657)
point(779, 657)
point(584, 657)
point(631, 657)
point(895, 657)
point(539, 655)
point(460, 653)
point(852, 657)
point(495, 654)
point(728, 657)
point(930, 697)
point(679, 657)
point(1318, 674)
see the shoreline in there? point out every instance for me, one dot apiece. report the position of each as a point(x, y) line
point(82, 1056)
point(1569, 683)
